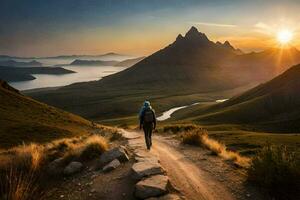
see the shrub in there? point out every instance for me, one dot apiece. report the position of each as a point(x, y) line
point(276, 170)
point(179, 128)
point(93, 147)
point(199, 137)
point(193, 138)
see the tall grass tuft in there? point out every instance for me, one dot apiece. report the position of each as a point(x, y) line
point(17, 184)
point(93, 147)
point(199, 137)
point(277, 170)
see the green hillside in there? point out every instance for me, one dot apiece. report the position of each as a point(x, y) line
point(23, 119)
point(273, 106)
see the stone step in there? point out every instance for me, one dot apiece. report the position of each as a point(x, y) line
point(153, 186)
point(144, 169)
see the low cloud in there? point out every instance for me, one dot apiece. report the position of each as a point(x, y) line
point(214, 24)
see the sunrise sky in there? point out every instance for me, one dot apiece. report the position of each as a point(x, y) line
point(139, 27)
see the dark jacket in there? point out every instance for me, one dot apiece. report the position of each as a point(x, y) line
point(143, 114)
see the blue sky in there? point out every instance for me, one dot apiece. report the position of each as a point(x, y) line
point(53, 27)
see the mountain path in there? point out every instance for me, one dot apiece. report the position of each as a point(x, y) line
point(184, 175)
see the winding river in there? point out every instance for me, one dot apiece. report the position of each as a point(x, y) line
point(167, 114)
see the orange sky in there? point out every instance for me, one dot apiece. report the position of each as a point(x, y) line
point(140, 27)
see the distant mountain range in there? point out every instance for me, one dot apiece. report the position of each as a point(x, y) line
point(129, 62)
point(107, 55)
point(13, 63)
point(191, 65)
point(124, 63)
point(13, 74)
point(94, 62)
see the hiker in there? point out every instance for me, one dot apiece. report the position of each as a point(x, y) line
point(148, 122)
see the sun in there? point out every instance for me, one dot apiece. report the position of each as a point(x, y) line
point(284, 36)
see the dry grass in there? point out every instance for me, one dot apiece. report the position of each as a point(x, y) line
point(23, 168)
point(20, 185)
point(93, 147)
point(177, 128)
point(199, 137)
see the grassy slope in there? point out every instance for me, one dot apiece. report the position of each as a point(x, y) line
point(24, 119)
point(273, 106)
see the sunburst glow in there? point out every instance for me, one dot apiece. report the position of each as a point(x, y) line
point(284, 36)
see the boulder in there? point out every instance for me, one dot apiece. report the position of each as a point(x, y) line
point(115, 153)
point(111, 166)
point(56, 166)
point(166, 197)
point(144, 169)
point(151, 187)
point(73, 167)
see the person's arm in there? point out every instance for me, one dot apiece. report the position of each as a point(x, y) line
point(141, 119)
point(154, 122)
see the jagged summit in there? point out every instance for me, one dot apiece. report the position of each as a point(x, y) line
point(179, 37)
point(194, 34)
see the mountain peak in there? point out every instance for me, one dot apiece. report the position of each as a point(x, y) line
point(194, 34)
point(227, 44)
point(193, 29)
point(179, 37)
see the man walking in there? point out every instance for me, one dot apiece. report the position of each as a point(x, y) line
point(148, 122)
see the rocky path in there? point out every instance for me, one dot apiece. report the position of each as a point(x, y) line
point(164, 165)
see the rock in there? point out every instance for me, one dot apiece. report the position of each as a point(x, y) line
point(151, 187)
point(166, 197)
point(143, 169)
point(56, 166)
point(147, 159)
point(111, 166)
point(116, 153)
point(73, 167)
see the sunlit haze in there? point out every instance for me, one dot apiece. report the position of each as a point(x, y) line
point(284, 36)
point(140, 27)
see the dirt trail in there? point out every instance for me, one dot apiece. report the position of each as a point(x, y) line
point(185, 176)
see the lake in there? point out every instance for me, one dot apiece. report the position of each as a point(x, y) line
point(84, 73)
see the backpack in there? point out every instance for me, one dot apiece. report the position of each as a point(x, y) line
point(148, 116)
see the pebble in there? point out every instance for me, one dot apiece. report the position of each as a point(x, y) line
point(62, 196)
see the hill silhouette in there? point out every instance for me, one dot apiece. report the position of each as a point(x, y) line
point(129, 62)
point(191, 60)
point(25, 73)
point(13, 63)
point(23, 119)
point(94, 62)
point(274, 105)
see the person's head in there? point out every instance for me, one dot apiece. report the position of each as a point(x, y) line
point(147, 104)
